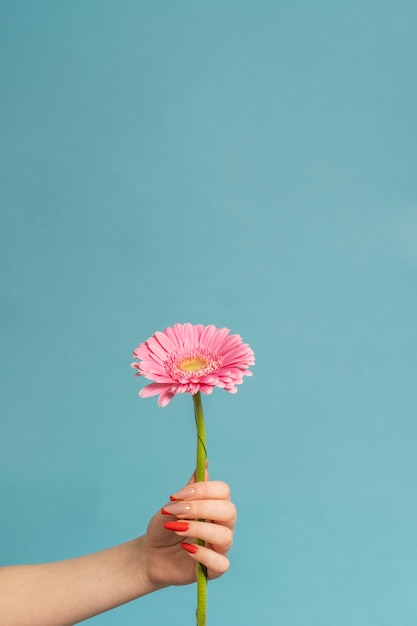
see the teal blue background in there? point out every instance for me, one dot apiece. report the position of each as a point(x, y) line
point(251, 165)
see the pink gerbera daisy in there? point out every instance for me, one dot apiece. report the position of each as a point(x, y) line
point(189, 359)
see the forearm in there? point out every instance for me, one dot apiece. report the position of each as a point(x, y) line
point(67, 592)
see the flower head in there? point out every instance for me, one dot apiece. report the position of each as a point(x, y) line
point(188, 359)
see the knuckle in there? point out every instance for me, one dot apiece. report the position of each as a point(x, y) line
point(232, 513)
point(224, 566)
point(222, 538)
point(226, 490)
point(228, 539)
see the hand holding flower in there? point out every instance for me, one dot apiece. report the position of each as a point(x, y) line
point(171, 551)
point(44, 593)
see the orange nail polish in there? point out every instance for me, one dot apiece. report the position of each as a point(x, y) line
point(183, 494)
point(176, 508)
point(181, 526)
point(189, 547)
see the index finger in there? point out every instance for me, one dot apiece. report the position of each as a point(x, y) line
point(207, 490)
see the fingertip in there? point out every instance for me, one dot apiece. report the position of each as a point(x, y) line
point(191, 548)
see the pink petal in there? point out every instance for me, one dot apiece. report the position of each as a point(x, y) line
point(229, 343)
point(163, 341)
point(180, 388)
point(217, 339)
point(153, 390)
point(172, 335)
point(237, 352)
point(207, 389)
point(190, 336)
point(207, 334)
point(209, 379)
point(165, 398)
point(141, 351)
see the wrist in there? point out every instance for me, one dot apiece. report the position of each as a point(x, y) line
point(140, 570)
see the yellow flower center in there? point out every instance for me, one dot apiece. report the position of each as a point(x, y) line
point(192, 364)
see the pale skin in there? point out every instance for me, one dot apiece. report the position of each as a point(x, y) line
point(64, 593)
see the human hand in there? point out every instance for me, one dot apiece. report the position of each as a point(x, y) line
point(171, 551)
point(44, 593)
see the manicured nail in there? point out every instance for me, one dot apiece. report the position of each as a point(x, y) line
point(176, 508)
point(181, 526)
point(189, 547)
point(183, 494)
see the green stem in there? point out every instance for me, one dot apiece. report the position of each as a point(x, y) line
point(200, 475)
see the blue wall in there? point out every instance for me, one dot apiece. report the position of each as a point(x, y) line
point(251, 165)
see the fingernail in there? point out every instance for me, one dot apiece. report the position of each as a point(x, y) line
point(176, 508)
point(183, 494)
point(189, 547)
point(181, 526)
